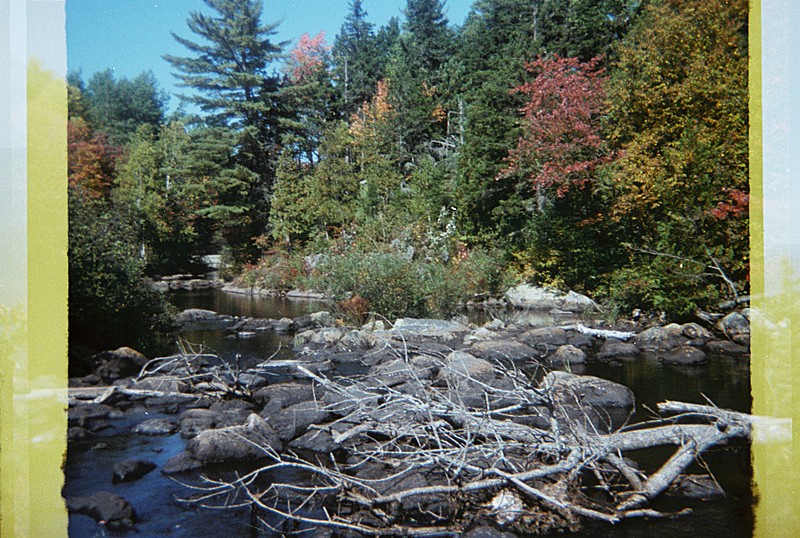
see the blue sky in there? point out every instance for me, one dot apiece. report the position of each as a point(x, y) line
point(131, 36)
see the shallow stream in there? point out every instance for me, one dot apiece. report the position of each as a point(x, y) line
point(724, 381)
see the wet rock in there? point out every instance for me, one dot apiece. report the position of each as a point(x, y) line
point(122, 362)
point(657, 339)
point(182, 463)
point(549, 336)
point(106, 508)
point(131, 470)
point(726, 347)
point(614, 349)
point(503, 350)
point(157, 426)
point(588, 390)
point(736, 327)
point(83, 414)
point(295, 419)
point(697, 487)
point(275, 397)
point(284, 325)
point(683, 356)
point(315, 441)
point(194, 421)
point(234, 443)
point(694, 331)
point(567, 354)
point(582, 341)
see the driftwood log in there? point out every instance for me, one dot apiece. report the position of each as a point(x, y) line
point(420, 462)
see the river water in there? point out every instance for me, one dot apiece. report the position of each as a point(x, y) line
point(724, 381)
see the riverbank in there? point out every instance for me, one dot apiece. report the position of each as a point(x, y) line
point(222, 416)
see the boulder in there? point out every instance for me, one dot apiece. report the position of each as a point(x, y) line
point(156, 426)
point(196, 315)
point(131, 470)
point(448, 332)
point(295, 419)
point(284, 325)
point(548, 336)
point(588, 390)
point(537, 298)
point(460, 367)
point(736, 327)
point(181, 463)
point(726, 347)
point(275, 397)
point(327, 336)
point(106, 508)
point(657, 339)
point(194, 421)
point(683, 356)
point(357, 341)
point(614, 348)
point(503, 349)
point(479, 334)
point(234, 443)
point(121, 362)
point(567, 354)
point(315, 441)
point(694, 331)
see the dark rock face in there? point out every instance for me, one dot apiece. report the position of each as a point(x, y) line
point(726, 347)
point(315, 441)
point(122, 362)
point(614, 348)
point(131, 470)
point(295, 419)
point(547, 336)
point(156, 426)
point(736, 327)
point(182, 463)
point(588, 390)
point(503, 350)
point(684, 355)
point(234, 443)
point(106, 508)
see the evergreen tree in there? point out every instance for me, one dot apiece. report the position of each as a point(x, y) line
point(229, 70)
point(416, 74)
point(117, 108)
point(356, 59)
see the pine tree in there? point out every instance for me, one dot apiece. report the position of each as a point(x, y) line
point(416, 74)
point(229, 71)
point(356, 59)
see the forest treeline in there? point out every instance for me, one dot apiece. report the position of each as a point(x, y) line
point(596, 145)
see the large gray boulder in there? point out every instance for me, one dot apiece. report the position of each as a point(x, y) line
point(121, 362)
point(683, 356)
point(658, 339)
point(616, 349)
point(295, 419)
point(587, 390)
point(438, 330)
point(235, 443)
point(460, 368)
point(567, 354)
point(538, 298)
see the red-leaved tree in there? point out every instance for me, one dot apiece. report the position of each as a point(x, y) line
point(307, 57)
point(560, 146)
point(91, 159)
